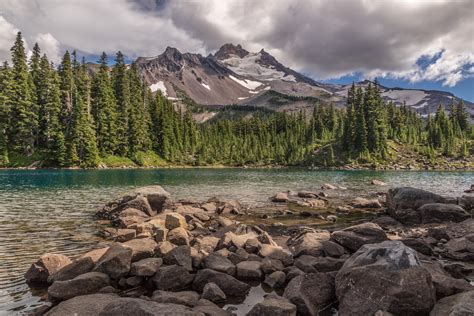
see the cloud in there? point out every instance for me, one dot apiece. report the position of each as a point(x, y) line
point(7, 37)
point(324, 38)
point(49, 46)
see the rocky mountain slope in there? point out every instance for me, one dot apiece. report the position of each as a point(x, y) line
point(234, 75)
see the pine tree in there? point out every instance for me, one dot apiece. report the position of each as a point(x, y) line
point(5, 105)
point(67, 89)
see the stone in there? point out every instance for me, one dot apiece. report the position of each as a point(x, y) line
point(181, 256)
point(95, 254)
point(206, 244)
point(173, 278)
point(270, 265)
point(252, 245)
point(312, 293)
point(444, 284)
point(458, 270)
point(146, 267)
point(273, 305)
point(310, 264)
point(127, 221)
point(328, 186)
point(219, 263)
point(353, 237)
point(281, 197)
point(178, 236)
point(84, 305)
point(249, 270)
point(386, 222)
point(467, 202)
point(202, 216)
point(227, 283)
point(461, 304)
point(460, 248)
point(276, 279)
point(292, 272)
point(133, 212)
point(438, 212)
point(175, 220)
point(163, 248)
point(410, 198)
point(161, 234)
point(316, 203)
point(276, 252)
point(137, 306)
point(418, 245)
point(332, 249)
point(224, 221)
point(308, 243)
point(213, 293)
point(365, 203)
point(377, 182)
point(123, 235)
point(72, 270)
point(209, 207)
point(238, 256)
point(307, 194)
point(387, 276)
point(237, 240)
point(115, 262)
point(134, 281)
point(187, 298)
point(157, 197)
point(208, 308)
point(141, 248)
point(44, 267)
point(84, 284)
point(139, 203)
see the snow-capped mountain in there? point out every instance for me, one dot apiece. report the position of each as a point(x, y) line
point(234, 75)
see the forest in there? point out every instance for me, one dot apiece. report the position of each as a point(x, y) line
point(69, 116)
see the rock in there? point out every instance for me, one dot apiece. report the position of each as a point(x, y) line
point(385, 276)
point(365, 203)
point(230, 207)
point(328, 186)
point(202, 216)
point(219, 263)
point(276, 252)
point(281, 197)
point(72, 270)
point(331, 218)
point(115, 262)
point(181, 256)
point(87, 283)
point(276, 279)
point(377, 182)
point(208, 308)
point(310, 264)
point(438, 233)
point(410, 198)
point(461, 248)
point(444, 284)
point(252, 245)
point(438, 212)
point(467, 202)
point(178, 236)
point(206, 244)
point(271, 265)
point(458, 270)
point(85, 305)
point(238, 256)
point(292, 272)
point(418, 245)
point(227, 283)
point(386, 222)
point(175, 220)
point(209, 207)
point(224, 221)
point(44, 267)
point(146, 267)
point(123, 235)
point(461, 304)
point(161, 234)
point(312, 293)
point(173, 278)
point(332, 249)
point(127, 221)
point(95, 254)
point(156, 196)
point(249, 270)
point(187, 298)
point(137, 306)
point(133, 212)
point(232, 239)
point(141, 248)
point(308, 195)
point(354, 237)
point(308, 243)
point(133, 281)
point(273, 305)
point(213, 293)
point(163, 248)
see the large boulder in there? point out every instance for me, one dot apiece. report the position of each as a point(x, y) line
point(87, 283)
point(439, 212)
point(141, 248)
point(146, 267)
point(387, 276)
point(308, 243)
point(445, 284)
point(312, 293)
point(173, 278)
point(227, 283)
point(115, 262)
point(219, 263)
point(136, 306)
point(44, 267)
point(354, 237)
point(460, 248)
point(85, 305)
point(461, 304)
point(72, 270)
point(181, 256)
point(410, 198)
point(273, 305)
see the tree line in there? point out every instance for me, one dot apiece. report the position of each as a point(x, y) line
point(73, 116)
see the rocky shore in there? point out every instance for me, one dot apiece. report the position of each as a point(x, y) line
point(164, 257)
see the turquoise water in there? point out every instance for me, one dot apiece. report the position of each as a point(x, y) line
point(52, 210)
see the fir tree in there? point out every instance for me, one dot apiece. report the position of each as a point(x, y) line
point(5, 105)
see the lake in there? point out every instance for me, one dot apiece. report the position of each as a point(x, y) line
point(52, 210)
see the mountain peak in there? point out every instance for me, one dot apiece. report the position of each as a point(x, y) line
point(229, 49)
point(172, 53)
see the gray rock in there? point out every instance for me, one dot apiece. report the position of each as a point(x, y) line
point(310, 264)
point(438, 212)
point(238, 256)
point(72, 270)
point(271, 265)
point(141, 307)
point(115, 262)
point(292, 272)
point(418, 245)
point(273, 305)
point(354, 237)
point(213, 293)
point(461, 304)
point(410, 198)
point(133, 212)
point(227, 283)
point(208, 308)
point(85, 305)
point(84, 284)
point(181, 256)
point(276, 252)
point(44, 267)
point(173, 278)
point(444, 284)
point(187, 298)
point(312, 293)
point(249, 270)
point(141, 248)
point(332, 249)
point(146, 267)
point(276, 279)
point(308, 243)
point(219, 263)
point(460, 248)
point(385, 276)
point(134, 281)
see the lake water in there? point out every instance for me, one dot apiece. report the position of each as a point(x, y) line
point(52, 210)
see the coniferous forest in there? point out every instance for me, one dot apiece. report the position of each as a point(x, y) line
point(66, 116)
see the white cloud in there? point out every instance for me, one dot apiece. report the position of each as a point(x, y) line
point(7, 37)
point(49, 46)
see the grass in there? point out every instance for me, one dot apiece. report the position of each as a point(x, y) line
point(112, 161)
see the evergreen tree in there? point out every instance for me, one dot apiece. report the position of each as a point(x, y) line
point(5, 105)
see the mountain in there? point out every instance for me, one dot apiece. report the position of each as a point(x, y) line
point(235, 76)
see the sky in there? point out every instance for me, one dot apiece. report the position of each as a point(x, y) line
point(426, 44)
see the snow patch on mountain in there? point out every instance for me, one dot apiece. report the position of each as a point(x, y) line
point(411, 97)
point(250, 66)
point(160, 85)
point(206, 86)
point(249, 84)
